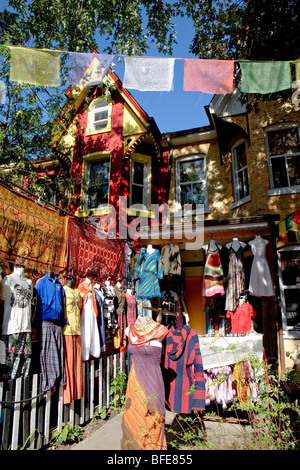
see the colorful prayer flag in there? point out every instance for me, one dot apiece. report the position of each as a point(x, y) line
point(149, 73)
point(88, 69)
point(34, 66)
point(209, 76)
point(265, 76)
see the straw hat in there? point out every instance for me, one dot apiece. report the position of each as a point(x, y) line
point(144, 325)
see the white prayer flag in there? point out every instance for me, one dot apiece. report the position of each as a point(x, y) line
point(149, 73)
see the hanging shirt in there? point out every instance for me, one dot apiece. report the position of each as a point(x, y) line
point(185, 382)
point(17, 292)
point(73, 307)
point(50, 301)
point(170, 259)
point(241, 318)
point(147, 272)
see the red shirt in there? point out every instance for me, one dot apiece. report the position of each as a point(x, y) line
point(241, 318)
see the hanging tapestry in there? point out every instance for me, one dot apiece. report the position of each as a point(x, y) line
point(265, 76)
point(87, 252)
point(149, 73)
point(209, 76)
point(30, 231)
point(88, 69)
point(34, 66)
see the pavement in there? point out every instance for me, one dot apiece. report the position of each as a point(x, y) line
point(108, 437)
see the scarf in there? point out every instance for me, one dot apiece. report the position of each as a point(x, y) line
point(87, 288)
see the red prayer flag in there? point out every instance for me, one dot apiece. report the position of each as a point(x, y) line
point(209, 76)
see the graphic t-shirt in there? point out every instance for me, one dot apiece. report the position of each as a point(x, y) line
point(17, 293)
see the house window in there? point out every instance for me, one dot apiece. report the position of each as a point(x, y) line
point(191, 181)
point(283, 150)
point(140, 180)
point(240, 172)
point(99, 116)
point(96, 176)
point(289, 285)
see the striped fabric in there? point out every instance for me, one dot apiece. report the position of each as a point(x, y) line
point(184, 377)
point(147, 272)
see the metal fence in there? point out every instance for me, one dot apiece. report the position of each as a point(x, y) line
point(28, 416)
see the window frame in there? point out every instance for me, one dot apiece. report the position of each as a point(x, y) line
point(91, 113)
point(87, 159)
point(287, 189)
point(238, 201)
point(184, 159)
point(147, 183)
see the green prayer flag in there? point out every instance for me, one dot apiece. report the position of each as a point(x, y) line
point(265, 76)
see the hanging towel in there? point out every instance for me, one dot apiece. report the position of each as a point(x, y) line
point(265, 77)
point(149, 73)
point(209, 76)
point(34, 66)
point(88, 69)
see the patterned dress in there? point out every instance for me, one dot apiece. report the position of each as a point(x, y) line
point(235, 278)
point(213, 274)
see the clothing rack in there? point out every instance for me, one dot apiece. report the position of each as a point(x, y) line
point(159, 310)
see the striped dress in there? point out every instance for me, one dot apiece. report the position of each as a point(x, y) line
point(147, 272)
point(183, 371)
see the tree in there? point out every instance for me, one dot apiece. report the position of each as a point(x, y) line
point(249, 29)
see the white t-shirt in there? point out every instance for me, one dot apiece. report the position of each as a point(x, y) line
point(17, 293)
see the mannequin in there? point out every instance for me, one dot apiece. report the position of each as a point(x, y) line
point(260, 282)
point(212, 245)
point(235, 244)
point(109, 295)
point(150, 249)
point(17, 292)
point(144, 412)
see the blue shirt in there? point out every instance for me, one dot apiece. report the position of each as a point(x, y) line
point(50, 301)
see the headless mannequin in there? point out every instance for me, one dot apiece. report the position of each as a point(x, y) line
point(235, 244)
point(50, 273)
point(70, 283)
point(129, 291)
point(212, 246)
point(150, 249)
point(19, 270)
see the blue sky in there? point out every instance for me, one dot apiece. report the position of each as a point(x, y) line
point(175, 110)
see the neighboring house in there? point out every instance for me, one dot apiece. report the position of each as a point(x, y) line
point(243, 168)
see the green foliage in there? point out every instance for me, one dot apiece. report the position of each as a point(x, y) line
point(274, 421)
point(68, 435)
point(117, 390)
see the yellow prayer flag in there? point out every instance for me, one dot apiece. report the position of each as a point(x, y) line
point(34, 66)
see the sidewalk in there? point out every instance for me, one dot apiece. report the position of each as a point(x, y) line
point(108, 437)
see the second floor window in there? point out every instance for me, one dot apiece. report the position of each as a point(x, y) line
point(283, 149)
point(191, 181)
point(99, 118)
point(140, 181)
point(97, 183)
point(240, 171)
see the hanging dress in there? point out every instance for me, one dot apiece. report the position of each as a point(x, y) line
point(213, 274)
point(235, 278)
point(143, 422)
point(90, 338)
point(260, 283)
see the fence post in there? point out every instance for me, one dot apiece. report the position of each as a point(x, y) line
point(16, 417)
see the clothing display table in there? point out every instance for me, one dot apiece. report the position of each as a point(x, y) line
point(219, 351)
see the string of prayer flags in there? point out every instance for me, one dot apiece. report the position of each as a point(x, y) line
point(87, 69)
point(209, 76)
point(34, 66)
point(265, 76)
point(149, 73)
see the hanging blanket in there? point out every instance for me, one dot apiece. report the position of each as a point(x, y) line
point(34, 232)
point(87, 252)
